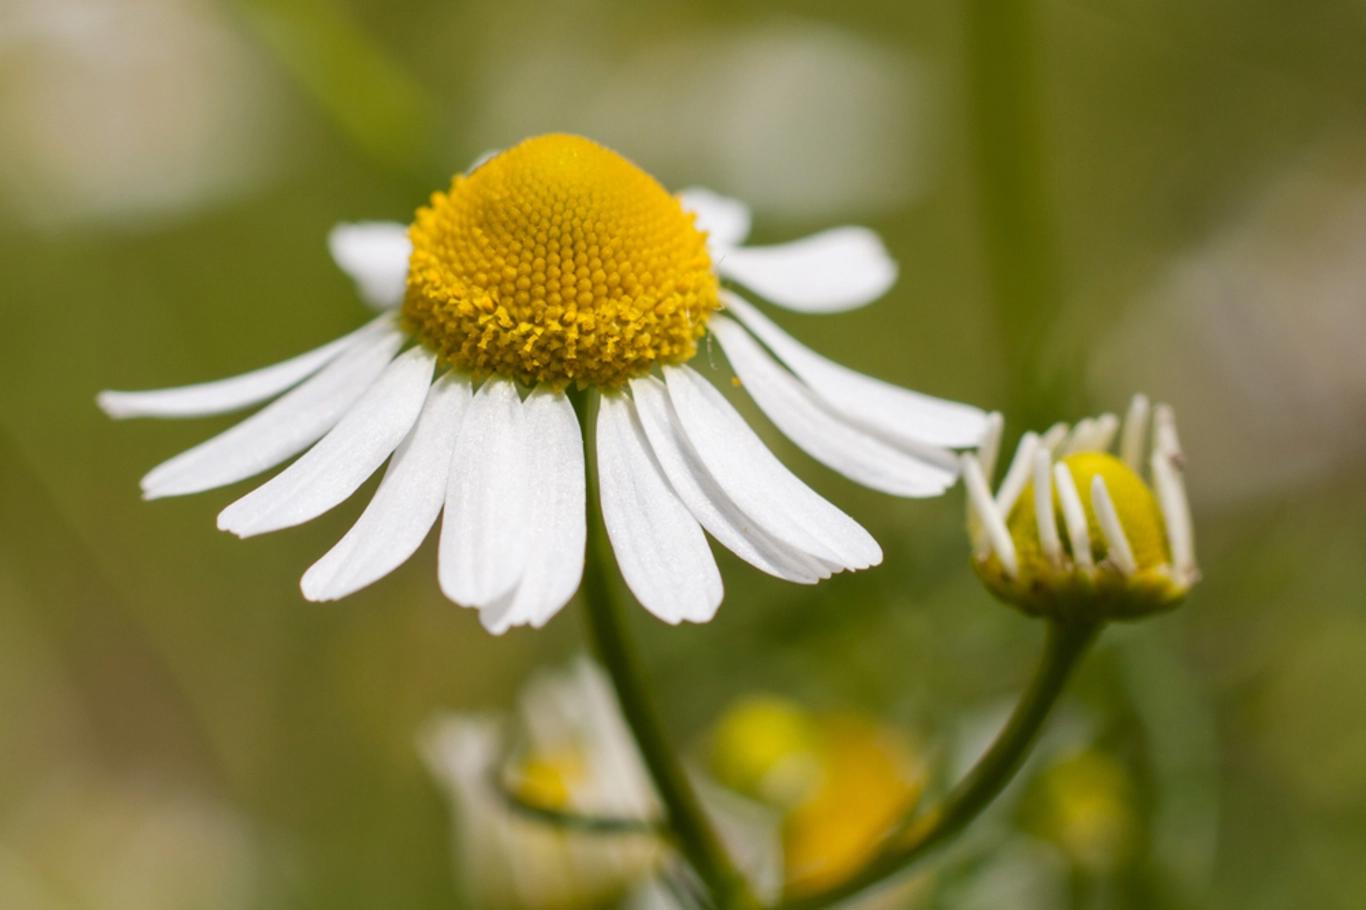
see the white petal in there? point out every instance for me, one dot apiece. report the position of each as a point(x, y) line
point(557, 528)
point(283, 428)
point(1044, 517)
point(1017, 475)
point(725, 220)
point(990, 447)
point(224, 395)
point(405, 506)
point(1107, 516)
point(659, 546)
point(1073, 516)
point(708, 503)
point(1052, 438)
point(830, 272)
point(895, 412)
point(375, 254)
point(341, 461)
point(834, 442)
point(482, 556)
point(1135, 429)
point(759, 484)
point(992, 520)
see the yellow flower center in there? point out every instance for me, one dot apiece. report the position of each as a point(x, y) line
point(558, 261)
point(1138, 511)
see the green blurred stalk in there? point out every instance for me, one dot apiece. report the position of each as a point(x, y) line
point(687, 822)
point(367, 93)
point(1007, 138)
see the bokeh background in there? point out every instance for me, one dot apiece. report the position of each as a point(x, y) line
point(1087, 197)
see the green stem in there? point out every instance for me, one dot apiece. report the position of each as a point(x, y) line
point(691, 829)
point(921, 833)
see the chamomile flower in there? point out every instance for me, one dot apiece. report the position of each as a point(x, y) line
point(557, 265)
point(566, 749)
point(1076, 532)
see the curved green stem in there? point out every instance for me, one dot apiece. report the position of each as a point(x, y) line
point(689, 825)
point(922, 832)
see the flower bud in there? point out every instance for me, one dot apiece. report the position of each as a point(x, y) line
point(1076, 532)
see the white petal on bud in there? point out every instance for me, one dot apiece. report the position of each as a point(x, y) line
point(1164, 430)
point(1017, 475)
point(1135, 428)
point(992, 519)
point(1103, 436)
point(1043, 508)
point(1116, 541)
point(1077, 440)
point(1073, 516)
point(990, 448)
point(1171, 495)
point(1053, 437)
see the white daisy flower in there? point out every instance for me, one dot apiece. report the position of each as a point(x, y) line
point(1076, 532)
point(553, 807)
point(558, 264)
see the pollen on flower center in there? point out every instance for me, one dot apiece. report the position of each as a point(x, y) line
point(558, 261)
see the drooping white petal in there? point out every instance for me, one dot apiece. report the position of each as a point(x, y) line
point(1073, 516)
point(405, 506)
point(481, 555)
point(375, 254)
point(1131, 438)
point(341, 461)
point(556, 527)
point(725, 220)
point(660, 548)
point(233, 393)
point(758, 483)
point(996, 537)
point(282, 429)
point(836, 443)
point(708, 503)
point(1044, 517)
point(830, 272)
point(1017, 475)
point(897, 413)
point(1107, 516)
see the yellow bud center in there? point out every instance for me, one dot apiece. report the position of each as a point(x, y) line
point(1138, 511)
point(547, 780)
point(558, 261)
point(1098, 587)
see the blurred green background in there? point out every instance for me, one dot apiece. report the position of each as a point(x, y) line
point(1088, 198)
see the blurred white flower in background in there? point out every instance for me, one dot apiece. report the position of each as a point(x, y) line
point(804, 119)
point(115, 112)
point(1259, 331)
point(568, 750)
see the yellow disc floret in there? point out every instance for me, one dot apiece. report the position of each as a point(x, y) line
point(1094, 588)
point(558, 261)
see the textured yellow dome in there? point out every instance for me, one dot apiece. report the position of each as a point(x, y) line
point(558, 261)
